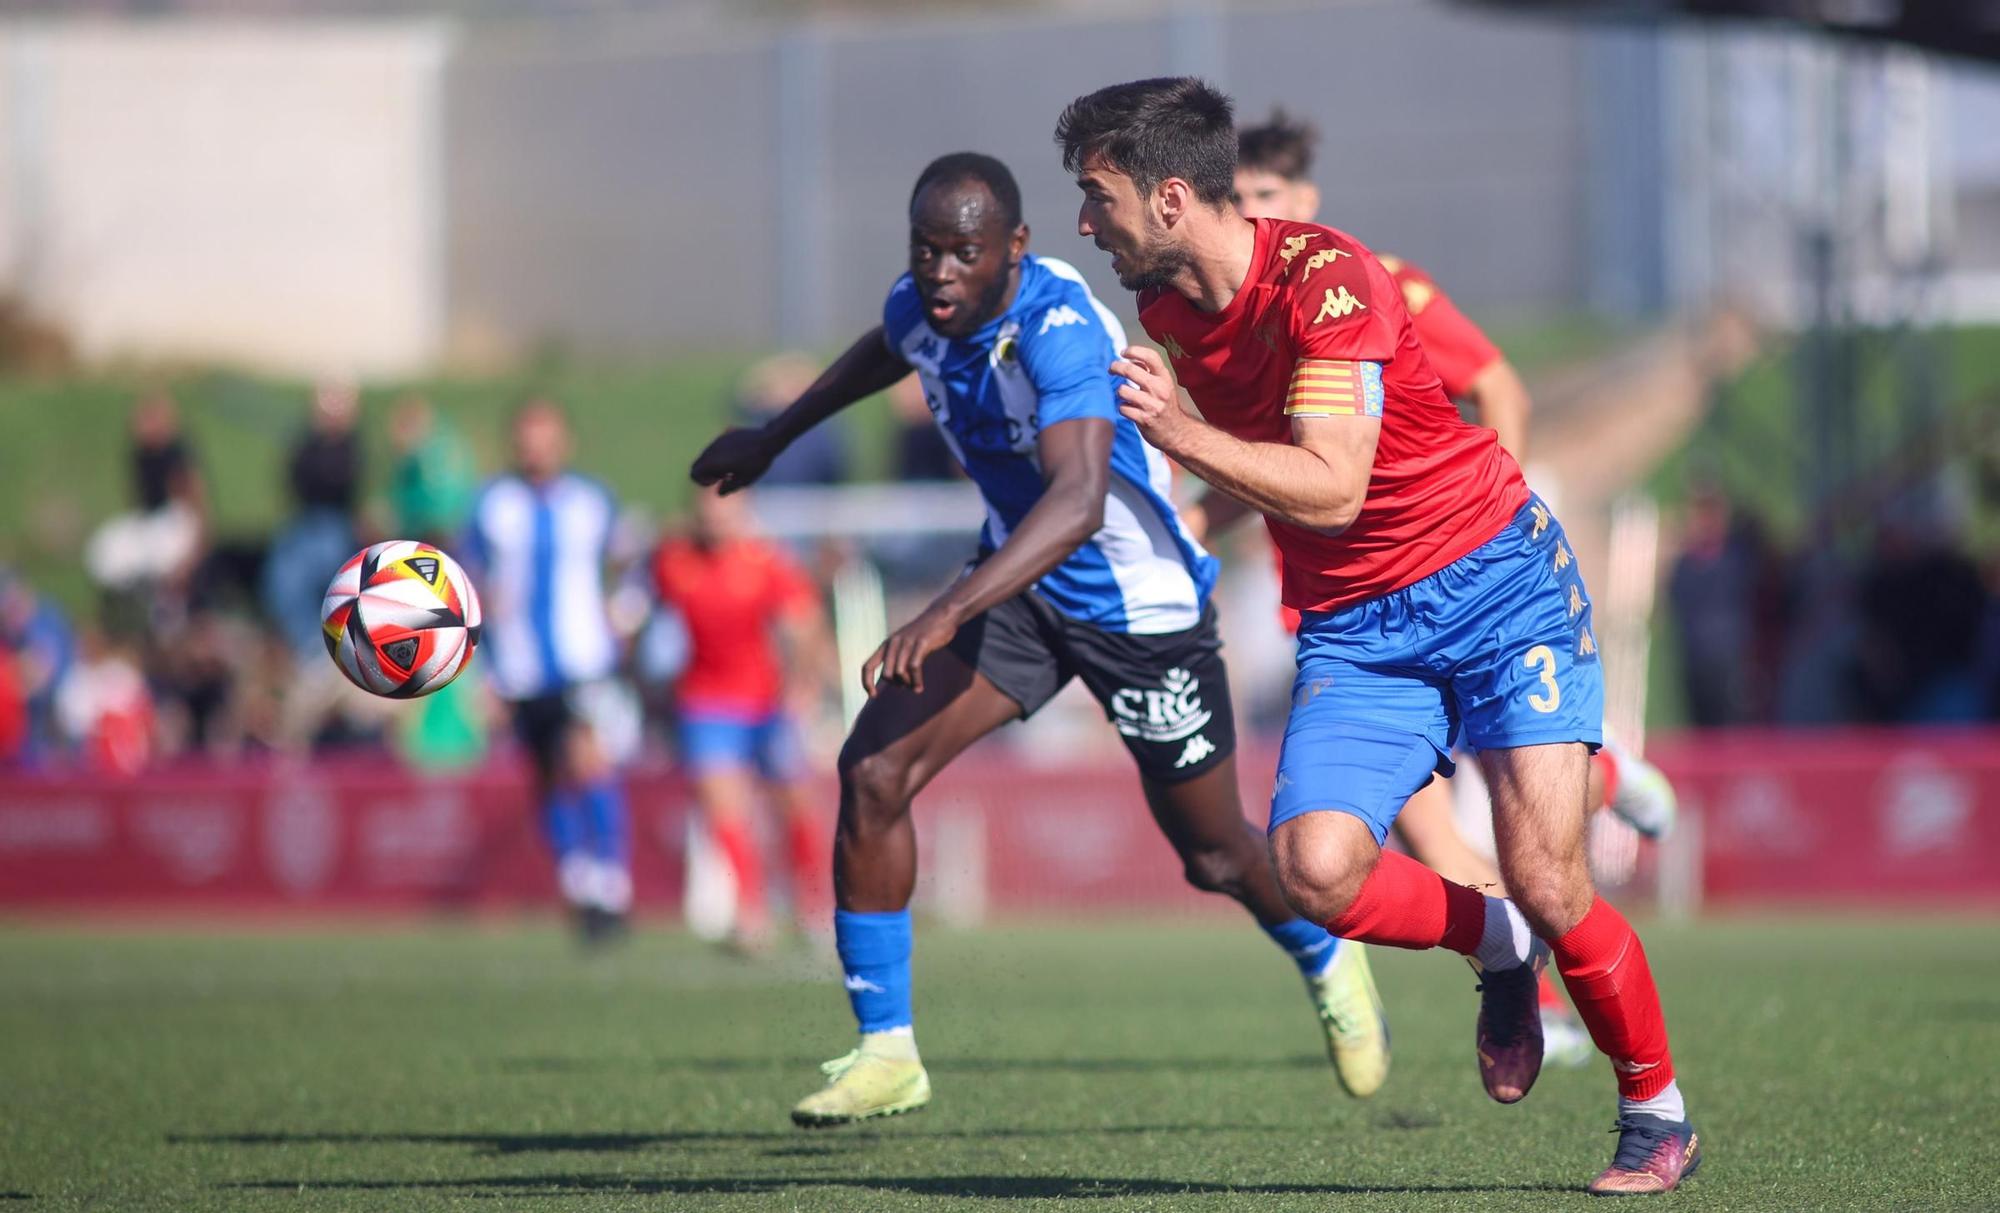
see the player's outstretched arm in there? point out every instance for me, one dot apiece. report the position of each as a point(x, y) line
point(1318, 481)
point(1076, 474)
point(739, 456)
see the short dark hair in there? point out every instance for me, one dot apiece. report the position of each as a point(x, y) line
point(974, 166)
point(1283, 145)
point(1150, 130)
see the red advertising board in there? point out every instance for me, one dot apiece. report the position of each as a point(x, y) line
point(1873, 817)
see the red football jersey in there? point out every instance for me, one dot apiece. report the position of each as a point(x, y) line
point(1457, 349)
point(1319, 327)
point(730, 597)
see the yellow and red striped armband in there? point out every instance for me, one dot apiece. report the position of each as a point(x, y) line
point(1328, 387)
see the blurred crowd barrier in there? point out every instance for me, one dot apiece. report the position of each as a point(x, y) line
point(1863, 817)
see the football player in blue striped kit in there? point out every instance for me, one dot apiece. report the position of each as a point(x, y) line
point(1084, 571)
point(537, 545)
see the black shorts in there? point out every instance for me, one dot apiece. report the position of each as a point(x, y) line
point(541, 722)
point(1168, 694)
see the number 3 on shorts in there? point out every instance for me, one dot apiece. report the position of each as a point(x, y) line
point(1542, 660)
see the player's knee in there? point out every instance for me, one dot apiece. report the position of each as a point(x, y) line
point(875, 788)
point(1320, 881)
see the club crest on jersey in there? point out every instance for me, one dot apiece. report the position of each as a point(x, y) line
point(1339, 303)
point(1169, 712)
point(1007, 347)
point(1060, 316)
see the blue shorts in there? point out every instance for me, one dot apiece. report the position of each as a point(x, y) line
point(1494, 651)
point(716, 741)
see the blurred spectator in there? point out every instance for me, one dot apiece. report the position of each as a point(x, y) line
point(1922, 605)
point(1712, 592)
point(432, 483)
point(324, 478)
point(42, 651)
point(147, 556)
point(106, 709)
point(921, 451)
point(819, 456)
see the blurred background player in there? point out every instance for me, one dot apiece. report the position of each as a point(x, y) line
point(1085, 571)
point(756, 638)
point(537, 546)
point(1273, 179)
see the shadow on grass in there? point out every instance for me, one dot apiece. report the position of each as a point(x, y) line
point(783, 1141)
point(942, 1065)
point(1003, 1187)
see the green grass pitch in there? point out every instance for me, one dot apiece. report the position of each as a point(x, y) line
point(1840, 1063)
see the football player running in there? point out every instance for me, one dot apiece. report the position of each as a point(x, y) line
point(1084, 571)
point(1440, 599)
point(1274, 180)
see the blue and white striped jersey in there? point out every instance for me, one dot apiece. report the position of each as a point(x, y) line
point(537, 555)
point(1046, 360)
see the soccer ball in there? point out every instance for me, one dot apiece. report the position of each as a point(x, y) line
point(400, 619)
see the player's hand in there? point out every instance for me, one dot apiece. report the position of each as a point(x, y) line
point(900, 659)
point(734, 460)
point(1148, 397)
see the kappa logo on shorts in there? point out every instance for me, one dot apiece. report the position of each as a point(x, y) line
point(1198, 748)
point(1169, 713)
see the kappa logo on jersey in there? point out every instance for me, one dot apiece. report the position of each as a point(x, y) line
point(1060, 316)
point(1294, 245)
point(1338, 303)
point(1172, 347)
point(1198, 748)
point(1325, 256)
point(1171, 712)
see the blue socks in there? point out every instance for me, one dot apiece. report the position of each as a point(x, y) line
point(1307, 943)
point(563, 823)
point(875, 959)
point(605, 820)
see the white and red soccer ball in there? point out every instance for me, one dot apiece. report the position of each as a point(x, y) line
point(401, 619)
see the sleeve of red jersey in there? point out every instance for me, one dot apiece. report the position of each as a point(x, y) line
point(1334, 311)
point(1456, 348)
point(1340, 331)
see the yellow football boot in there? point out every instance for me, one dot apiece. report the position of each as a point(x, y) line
point(862, 1085)
point(1357, 1032)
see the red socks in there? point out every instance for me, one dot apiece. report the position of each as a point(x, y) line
point(733, 837)
point(1604, 966)
point(1404, 904)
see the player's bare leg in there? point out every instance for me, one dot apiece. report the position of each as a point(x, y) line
point(1222, 852)
point(1539, 810)
point(1429, 829)
point(901, 740)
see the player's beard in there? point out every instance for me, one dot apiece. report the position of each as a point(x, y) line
point(1154, 265)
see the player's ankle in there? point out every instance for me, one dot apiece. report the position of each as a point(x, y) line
point(895, 1044)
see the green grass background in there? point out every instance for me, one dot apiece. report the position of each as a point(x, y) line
point(1831, 1063)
